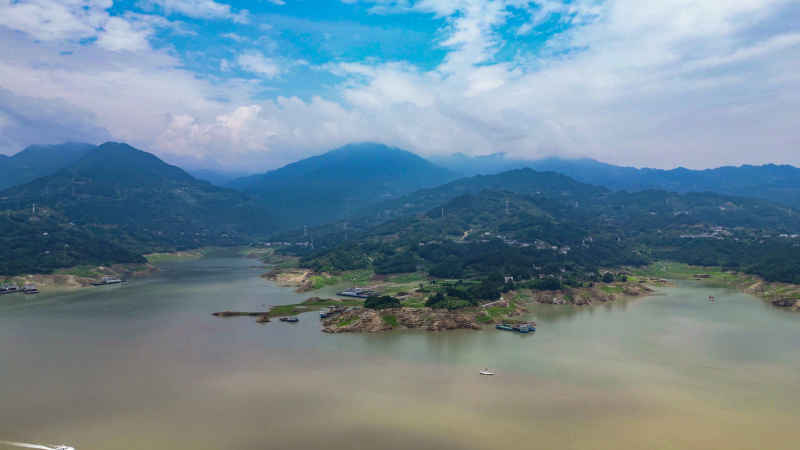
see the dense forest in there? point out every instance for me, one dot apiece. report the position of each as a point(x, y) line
point(115, 203)
point(568, 231)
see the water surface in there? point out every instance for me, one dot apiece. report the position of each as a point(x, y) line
point(145, 366)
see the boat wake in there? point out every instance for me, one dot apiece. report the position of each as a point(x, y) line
point(42, 447)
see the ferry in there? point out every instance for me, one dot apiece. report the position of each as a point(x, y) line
point(30, 289)
point(356, 292)
point(9, 289)
point(108, 280)
point(521, 328)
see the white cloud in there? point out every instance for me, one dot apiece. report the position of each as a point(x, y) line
point(256, 62)
point(75, 20)
point(199, 9)
point(28, 120)
point(692, 82)
point(50, 20)
point(119, 34)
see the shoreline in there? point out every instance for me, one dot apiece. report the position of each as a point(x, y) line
point(785, 296)
point(412, 290)
point(82, 276)
point(79, 277)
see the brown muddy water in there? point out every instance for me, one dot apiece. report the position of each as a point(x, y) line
point(145, 366)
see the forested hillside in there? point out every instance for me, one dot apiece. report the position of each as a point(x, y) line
point(133, 200)
point(38, 161)
point(550, 224)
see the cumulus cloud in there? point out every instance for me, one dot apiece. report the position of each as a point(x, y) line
point(27, 120)
point(692, 82)
point(198, 9)
point(253, 61)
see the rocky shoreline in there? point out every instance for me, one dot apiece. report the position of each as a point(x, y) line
point(372, 321)
point(78, 278)
point(590, 296)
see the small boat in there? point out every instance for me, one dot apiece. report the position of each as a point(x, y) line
point(486, 372)
point(504, 327)
point(9, 289)
point(357, 293)
point(30, 289)
point(108, 280)
point(289, 319)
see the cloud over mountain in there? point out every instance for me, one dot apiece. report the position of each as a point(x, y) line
point(697, 83)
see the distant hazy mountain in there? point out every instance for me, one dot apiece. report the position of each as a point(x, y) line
point(779, 183)
point(479, 165)
point(332, 186)
point(130, 197)
point(37, 161)
point(215, 177)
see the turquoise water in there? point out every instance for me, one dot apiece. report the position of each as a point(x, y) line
point(145, 366)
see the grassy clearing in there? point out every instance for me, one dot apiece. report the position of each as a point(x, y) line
point(390, 319)
point(353, 277)
point(416, 277)
point(312, 304)
point(84, 271)
point(484, 318)
point(612, 289)
point(155, 258)
point(414, 302)
point(347, 321)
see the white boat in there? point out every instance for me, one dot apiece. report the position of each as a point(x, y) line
point(486, 372)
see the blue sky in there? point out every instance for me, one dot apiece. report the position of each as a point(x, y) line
point(253, 85)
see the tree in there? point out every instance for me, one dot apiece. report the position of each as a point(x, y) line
point(382, 302)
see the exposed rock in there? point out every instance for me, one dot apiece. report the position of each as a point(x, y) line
point(371, 321)
point(787, 303)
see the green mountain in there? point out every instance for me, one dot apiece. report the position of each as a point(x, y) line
point(531, 223)
point(38, 161)
point(42, 243)
point(777, 183)
point(131, 198)
point(336, 184)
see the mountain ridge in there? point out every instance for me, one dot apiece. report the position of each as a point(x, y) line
point(330, 186)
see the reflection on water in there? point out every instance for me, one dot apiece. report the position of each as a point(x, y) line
point(145, 366)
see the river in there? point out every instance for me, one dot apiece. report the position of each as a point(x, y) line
point(145, 366)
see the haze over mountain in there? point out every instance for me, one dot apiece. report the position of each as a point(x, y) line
point(778, 183)
point(335, 184)
point(37, 161)
point(130, 197)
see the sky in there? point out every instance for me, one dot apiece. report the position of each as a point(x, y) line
point(250, 86)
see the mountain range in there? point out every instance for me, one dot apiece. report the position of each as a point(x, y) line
point(131, 199)
point(338, 183)
point(522, 219)
point(86, 198)
point(777, 183)
point(37, 161)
